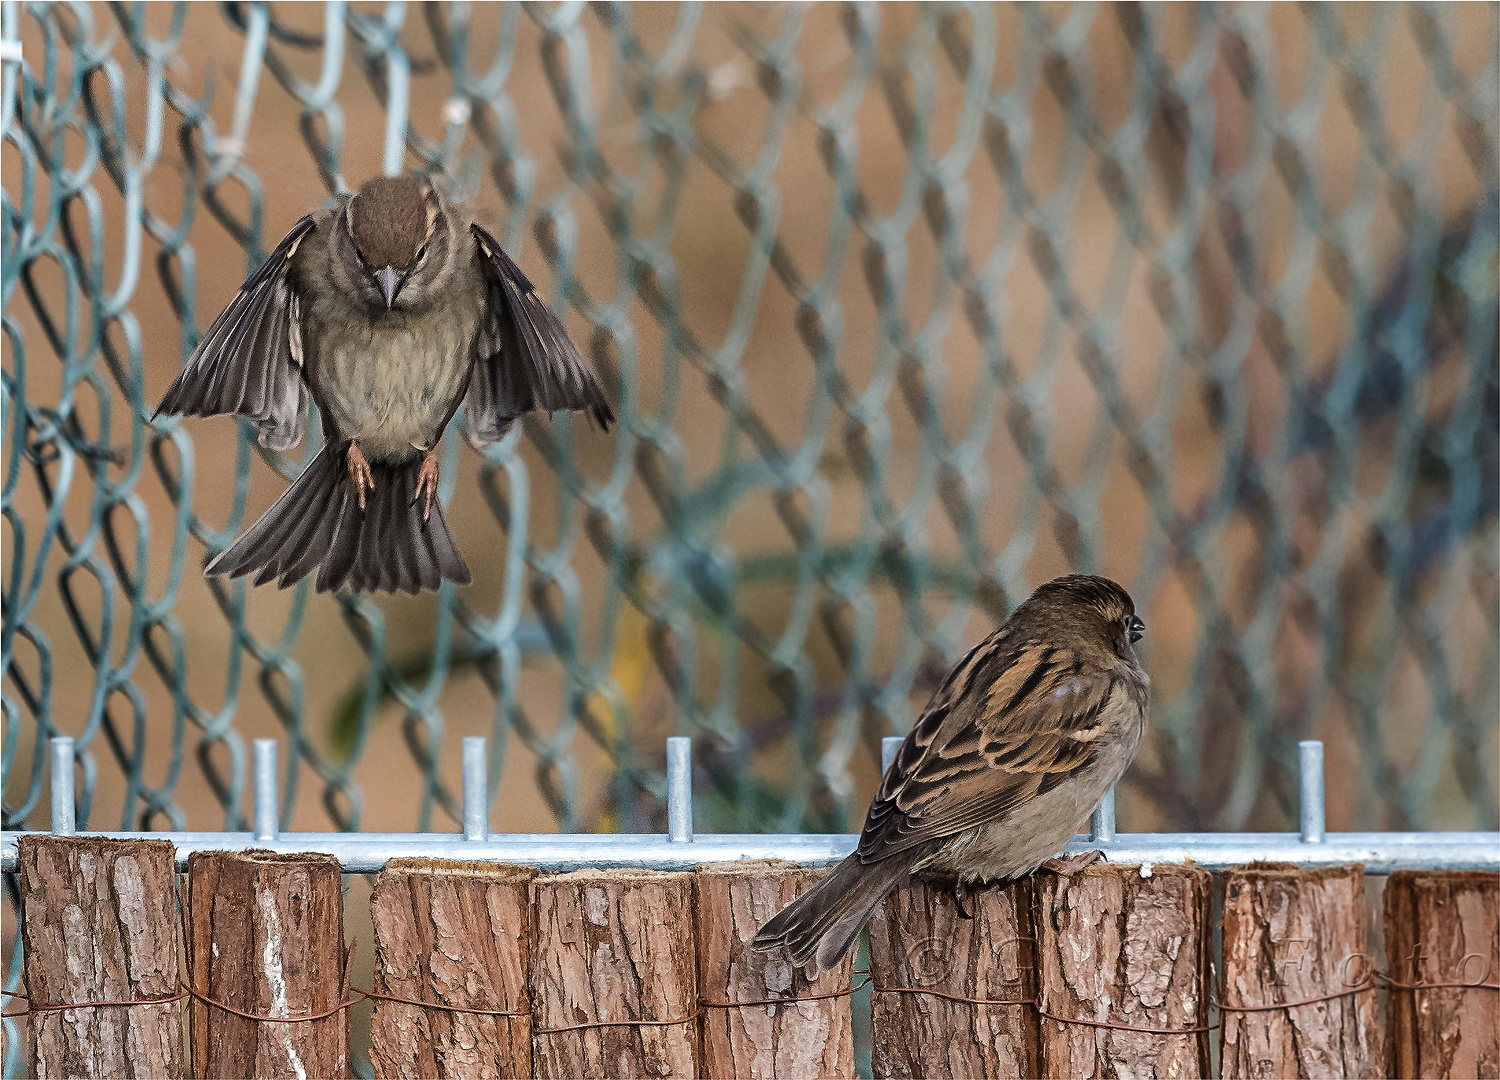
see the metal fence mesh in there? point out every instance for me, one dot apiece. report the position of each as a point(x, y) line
point(905, 310)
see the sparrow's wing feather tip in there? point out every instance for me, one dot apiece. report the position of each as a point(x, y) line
point(244, 364)
point(526, 362)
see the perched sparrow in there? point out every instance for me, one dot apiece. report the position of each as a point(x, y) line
point(1015, 749)
point(389, 311)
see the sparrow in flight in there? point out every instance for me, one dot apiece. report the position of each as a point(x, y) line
point(388, 312)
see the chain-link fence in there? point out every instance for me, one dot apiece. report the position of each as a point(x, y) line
point(904, 310)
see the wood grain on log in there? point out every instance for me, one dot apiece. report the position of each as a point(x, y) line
point(1443, 927)
point(806, 1038)
point(918, 939)
point(1292, 935)
point(100, 924)
point(1118, 948)
point(456, 934)
point(613, 948)
point(266, 937)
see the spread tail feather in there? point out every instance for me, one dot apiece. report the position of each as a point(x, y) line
point(317, 524)
point(818, 927)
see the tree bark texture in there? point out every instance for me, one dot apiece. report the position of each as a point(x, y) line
point(806, 1038)
point(266, 937)
point(1118, 948)
point(1293, 935)
point(455, 934)
point(1443, 927)
point(919, 940)
point(614, 947)
point(100, 924)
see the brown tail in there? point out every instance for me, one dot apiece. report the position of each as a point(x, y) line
point(317, 524)
point(818, 927)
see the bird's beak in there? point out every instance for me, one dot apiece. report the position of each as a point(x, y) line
point(390, 285)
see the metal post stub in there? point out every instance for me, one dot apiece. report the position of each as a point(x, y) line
point(680, 788)
point(888, 747)
point(1102, 824)
point(1310, 791)
point(476, 788)
point(263, 765)
point(64, 820)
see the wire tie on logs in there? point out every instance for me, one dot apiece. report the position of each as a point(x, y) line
point(33, 1007)
point(615, 1023)
point(1034, 1004)
point(1396, 984)
point(1378, 980)
point(846, 992)
point(375, 996)
point(259, 1018)
point(702, 1004)
point(1385, 981)
point(1360, 989)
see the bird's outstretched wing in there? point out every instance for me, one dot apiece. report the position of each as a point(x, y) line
point(526, 361)
point(250, 361)
point(1011, 722)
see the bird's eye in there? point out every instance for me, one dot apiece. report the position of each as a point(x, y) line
point(421, 251)
point(1136, 627)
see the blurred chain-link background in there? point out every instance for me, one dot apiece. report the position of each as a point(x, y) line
point(906, 309)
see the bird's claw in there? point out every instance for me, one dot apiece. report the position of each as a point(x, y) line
point(359, 474)
point(1069, 864)
point(961, 898)
point(427, 482)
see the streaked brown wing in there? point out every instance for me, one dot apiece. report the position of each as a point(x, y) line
point(1010, 723)
point(249, 363)
point(526, 361)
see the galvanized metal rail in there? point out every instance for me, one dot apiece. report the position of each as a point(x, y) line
point(680, 848)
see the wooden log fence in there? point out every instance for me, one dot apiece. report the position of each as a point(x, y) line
point(1297, 975)
point(1442, 937)
point(1123, 971)
point(487, 970)
point(99, 923)
point(456, 937)
point(614, 974)
point(744, 1030)
point(267, 965)
point(951, 994)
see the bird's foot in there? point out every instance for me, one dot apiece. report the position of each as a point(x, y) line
point(942, 881)
point(961, 898)
point(359, 474)
point(1070, 864)
point(427, 482)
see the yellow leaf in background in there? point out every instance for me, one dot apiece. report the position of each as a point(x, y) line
point(628, 671)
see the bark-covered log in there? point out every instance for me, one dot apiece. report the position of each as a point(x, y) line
point(1443, 928)
point(614, 975)
point(266, 937)
point(1294, 935)
point(100, 924)
point(456, 934)
point(919, 940)
point(1116, 948)
point(807, 1038)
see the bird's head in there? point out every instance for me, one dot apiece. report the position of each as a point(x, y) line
point(396, 242)
point(1097, 606)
